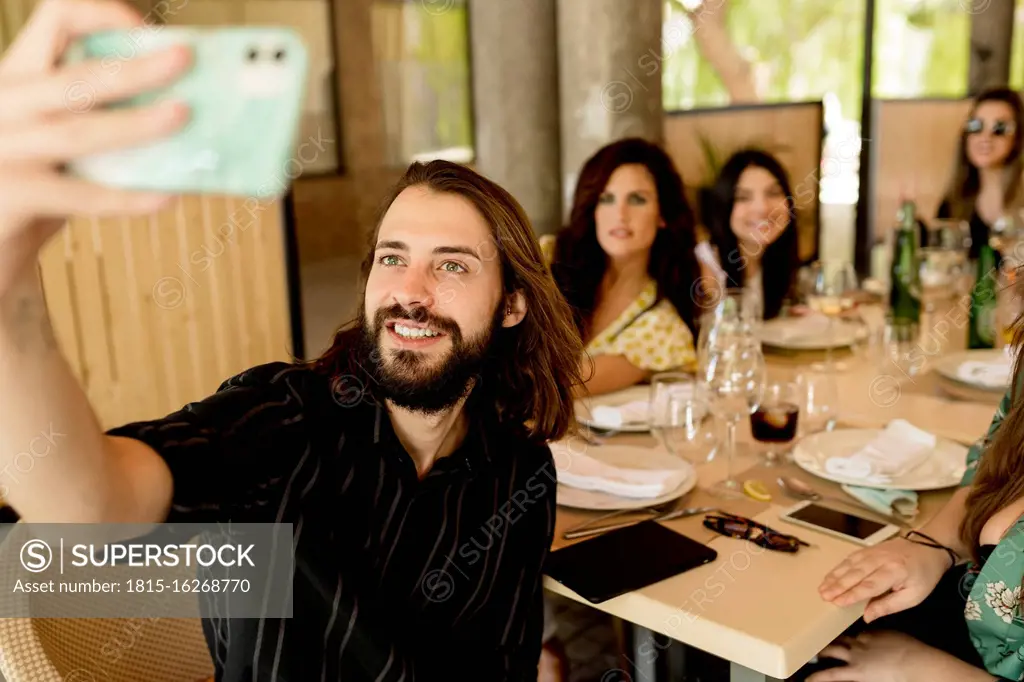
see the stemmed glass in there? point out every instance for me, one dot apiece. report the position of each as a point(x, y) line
point(736, 313)
point(831, 288)
point(735, 375)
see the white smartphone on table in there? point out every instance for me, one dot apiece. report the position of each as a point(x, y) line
point(857, 529)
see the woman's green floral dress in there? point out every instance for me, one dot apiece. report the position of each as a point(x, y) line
point(992, 590)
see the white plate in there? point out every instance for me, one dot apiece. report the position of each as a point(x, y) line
point(808, 333)
point(949, 368)
point(943, 468)
point(633, 457)
point(627, 395)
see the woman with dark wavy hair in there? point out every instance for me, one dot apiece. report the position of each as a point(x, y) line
point(626, 264)
point(753, 230)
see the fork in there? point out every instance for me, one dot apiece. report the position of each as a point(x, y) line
point(652, 510)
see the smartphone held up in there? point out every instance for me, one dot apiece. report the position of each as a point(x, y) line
point(244, 92)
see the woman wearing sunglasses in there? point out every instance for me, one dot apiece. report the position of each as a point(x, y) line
point(944, 604)
point(987, 177)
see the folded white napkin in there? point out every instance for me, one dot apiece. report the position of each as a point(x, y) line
point(897, 450)
point(575, 469)
point(993, 374)
point(635, 412)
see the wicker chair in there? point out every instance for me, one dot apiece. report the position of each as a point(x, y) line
point(85, 649)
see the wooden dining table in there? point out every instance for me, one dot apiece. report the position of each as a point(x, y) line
point(758, 609)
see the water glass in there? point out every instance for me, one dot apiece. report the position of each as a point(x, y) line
point(944, 260)
point(775, 420)
point(902, 350)
point(819, 402)
point(685, 427)
point(667, 385)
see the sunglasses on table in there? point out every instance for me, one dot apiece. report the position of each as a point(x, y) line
point(997, 128)
point(742, 528)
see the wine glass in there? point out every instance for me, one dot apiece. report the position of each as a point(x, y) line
point(734, 316)
point(735, 302)
point(735, 375)
point(774, 422)
point(831, 288)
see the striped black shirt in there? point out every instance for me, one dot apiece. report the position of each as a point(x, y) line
point(396, 578)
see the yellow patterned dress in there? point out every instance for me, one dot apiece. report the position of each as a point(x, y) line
point(650, 334)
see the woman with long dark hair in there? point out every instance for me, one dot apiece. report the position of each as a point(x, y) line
point(986, 180)
point(626, 264)
point(753, 230)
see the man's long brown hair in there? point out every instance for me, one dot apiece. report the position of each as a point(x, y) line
point(535, 365)
point(999, 479)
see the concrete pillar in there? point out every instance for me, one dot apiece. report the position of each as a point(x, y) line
point(515, 102)
point(610, 54)
point(991, 39)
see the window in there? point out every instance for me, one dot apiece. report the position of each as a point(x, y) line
point(721, 52)
point(726, 52)
point(1017, 49)
point(421, 52)
point(921, 49)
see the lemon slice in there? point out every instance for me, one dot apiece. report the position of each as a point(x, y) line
point(755, 489)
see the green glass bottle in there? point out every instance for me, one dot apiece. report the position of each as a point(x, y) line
point(981, 333)
point(905, 272)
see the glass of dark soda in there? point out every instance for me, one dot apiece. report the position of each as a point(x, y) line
point(774, 422)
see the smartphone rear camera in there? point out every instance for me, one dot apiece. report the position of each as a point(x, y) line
point(264, 74)
point(253, 55)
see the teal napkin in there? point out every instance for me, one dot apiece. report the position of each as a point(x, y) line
point(903, 502)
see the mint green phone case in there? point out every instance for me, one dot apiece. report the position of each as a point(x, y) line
point(245, 92)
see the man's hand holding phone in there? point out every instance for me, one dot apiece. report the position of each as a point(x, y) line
point(40, 132)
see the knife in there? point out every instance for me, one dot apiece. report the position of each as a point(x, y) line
point(677, 514)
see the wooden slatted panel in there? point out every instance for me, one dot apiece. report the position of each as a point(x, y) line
point(915, 148)
point(152, 313)
point(145, 327)
point(791, 131)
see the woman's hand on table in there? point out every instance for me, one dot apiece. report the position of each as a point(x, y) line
point(895, 575)
point(893, 657)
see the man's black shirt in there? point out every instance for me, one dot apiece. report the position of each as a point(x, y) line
point(396, 578)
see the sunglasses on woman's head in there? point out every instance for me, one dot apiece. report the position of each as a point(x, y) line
point(998, 128)
point(742, 528)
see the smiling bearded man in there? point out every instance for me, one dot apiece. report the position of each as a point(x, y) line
point(424, 425)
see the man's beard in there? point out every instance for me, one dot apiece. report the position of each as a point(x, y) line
point(421, 381)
